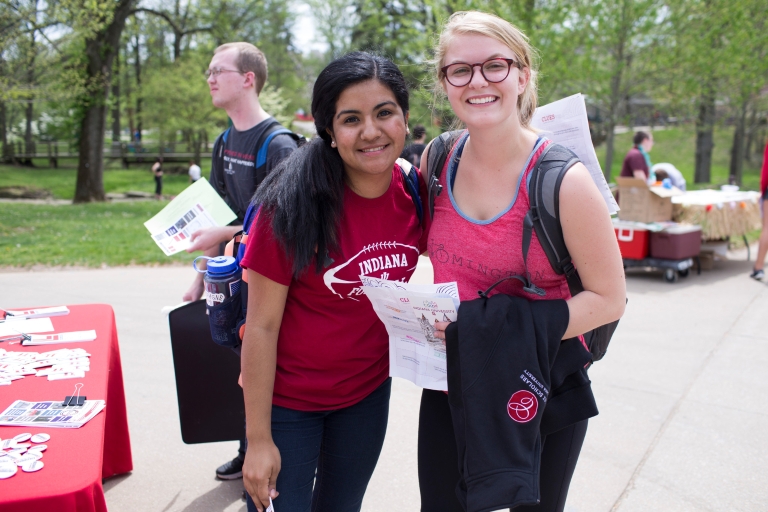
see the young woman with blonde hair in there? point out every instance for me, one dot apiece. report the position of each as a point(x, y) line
point(485, 67)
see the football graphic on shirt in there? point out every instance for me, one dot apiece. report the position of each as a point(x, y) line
point(383, 260)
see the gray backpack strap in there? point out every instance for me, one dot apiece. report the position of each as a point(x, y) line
point(544, 197)
point(438, 153)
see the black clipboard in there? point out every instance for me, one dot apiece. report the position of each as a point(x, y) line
point(211, 406)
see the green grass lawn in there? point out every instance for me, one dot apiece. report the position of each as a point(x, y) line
point(61, 182)
point(114, 234)
point(89, 235)
point(676, 145)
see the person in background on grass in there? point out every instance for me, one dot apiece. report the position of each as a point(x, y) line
point(194, 171)
point(236, 75)
point(157, 171)
point(315, 356)
point(413, 152)
point(762, 248)
point(485, 67)
point(637, 163)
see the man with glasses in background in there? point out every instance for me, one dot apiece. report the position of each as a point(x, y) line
point(236, 76)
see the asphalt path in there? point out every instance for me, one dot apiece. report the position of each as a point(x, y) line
point(682, 395)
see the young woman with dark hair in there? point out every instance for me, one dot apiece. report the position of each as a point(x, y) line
point(315, 358)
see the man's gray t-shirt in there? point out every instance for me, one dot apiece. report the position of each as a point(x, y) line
point(235, 180)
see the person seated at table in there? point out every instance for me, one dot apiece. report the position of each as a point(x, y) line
point(637, 163)
point(665, 170)
point(315, 357)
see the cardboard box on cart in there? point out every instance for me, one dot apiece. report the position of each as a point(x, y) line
point(641, 203)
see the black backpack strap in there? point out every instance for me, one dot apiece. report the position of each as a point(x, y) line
point(411, 179)
point(439, 150)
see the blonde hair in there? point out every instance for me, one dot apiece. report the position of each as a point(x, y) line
point(249, 59)
point(489, 25)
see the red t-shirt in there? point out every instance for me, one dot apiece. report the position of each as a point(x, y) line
point(764, 173)
point(332, 350)
point(634, 161)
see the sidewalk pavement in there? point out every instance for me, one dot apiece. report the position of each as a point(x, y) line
point(682, 396)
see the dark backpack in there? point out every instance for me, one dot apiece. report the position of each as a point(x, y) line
point(273, 129)
point(543, 217)
point(231, 334)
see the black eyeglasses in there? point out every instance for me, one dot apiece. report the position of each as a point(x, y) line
point(494, 71)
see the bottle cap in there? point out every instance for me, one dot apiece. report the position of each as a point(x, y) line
point(221, 265)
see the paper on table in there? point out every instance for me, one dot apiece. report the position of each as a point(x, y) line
point(197, 207)
point(62, 337)
point(408, 312)
point(565, 122)
point(37, 313)
point(12, 326)
point(49, 414)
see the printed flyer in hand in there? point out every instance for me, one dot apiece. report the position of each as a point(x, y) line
point(409, 311)
point(197, 207)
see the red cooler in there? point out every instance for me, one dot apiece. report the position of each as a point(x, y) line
point(633, 240)
point(676, 243)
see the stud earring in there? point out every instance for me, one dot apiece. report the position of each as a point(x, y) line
point(333, 143)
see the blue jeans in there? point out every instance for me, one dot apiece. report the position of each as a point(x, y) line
point(328, 457)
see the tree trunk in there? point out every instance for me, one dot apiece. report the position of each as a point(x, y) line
point(751, 133)
point(4, 156)
point(705, 127)
point(613, 111)
point(609, 139)
point(137, 67)
point(29, 111)
point(116, 104)
point(100, 52)
point(127, 94)
point(29, 144)
point(737, 149)
point(4, 150)
point(197, 142)
point(177, 36)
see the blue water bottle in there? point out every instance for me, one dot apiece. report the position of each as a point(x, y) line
point(222, 279)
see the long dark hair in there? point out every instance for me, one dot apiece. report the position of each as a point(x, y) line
point(304, 194)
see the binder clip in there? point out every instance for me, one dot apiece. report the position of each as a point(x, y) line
point(75, 400)
point(13, 339)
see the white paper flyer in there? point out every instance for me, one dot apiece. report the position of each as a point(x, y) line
point(565, 122)
point(409, 311)
point(197, 207)
point(49, 414)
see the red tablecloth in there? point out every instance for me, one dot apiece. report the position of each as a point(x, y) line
point(76, 459)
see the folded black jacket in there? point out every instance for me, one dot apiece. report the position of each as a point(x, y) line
point(511, 379)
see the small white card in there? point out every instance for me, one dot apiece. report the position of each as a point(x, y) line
point(37, 313)
point(13, 326)
point(62, 337)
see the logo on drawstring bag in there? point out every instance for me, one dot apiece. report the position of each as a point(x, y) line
point(522, 406)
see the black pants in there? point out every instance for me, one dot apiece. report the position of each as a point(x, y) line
point(439, 460)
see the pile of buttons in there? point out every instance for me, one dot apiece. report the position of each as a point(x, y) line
point(17, 453)
point(58, 364)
